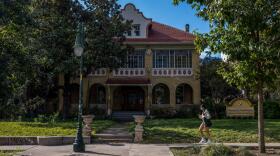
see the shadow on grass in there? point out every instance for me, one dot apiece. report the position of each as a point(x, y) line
point(224, 130)
point(98, 124)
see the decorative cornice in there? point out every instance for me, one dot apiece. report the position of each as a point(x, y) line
point(137, 10)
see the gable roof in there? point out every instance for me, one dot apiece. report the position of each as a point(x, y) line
point(158, 32)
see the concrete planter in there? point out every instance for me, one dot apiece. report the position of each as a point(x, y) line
point(139, 119)
point(87, 129)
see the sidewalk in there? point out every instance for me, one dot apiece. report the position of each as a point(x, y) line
point(114, 149)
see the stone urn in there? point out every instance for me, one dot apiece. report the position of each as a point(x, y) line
point(87, 128)
point(139, 119)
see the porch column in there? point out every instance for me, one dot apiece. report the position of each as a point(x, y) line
point(85, 94)
point(149, 63)
point(109, 99)
point(149, 100)
point(172, 97)
point(60, 92)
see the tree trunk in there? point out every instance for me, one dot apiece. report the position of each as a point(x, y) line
point(261, 121)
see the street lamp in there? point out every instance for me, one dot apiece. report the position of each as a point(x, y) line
point(79, 145)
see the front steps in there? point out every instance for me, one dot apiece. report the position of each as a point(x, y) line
point(115, 134)
point(125, 115)
point(107, 138)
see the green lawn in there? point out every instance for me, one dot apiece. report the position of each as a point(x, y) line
point(9, 152)
point(47, 129)
point(224, 130)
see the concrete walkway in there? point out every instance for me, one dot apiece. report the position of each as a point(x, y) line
point(117, 133)
point(117, 129)
point(114, 149)
point(94, 150)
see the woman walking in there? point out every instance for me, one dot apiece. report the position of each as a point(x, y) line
point(205, 125)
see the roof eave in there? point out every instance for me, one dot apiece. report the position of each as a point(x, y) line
point(156, 43)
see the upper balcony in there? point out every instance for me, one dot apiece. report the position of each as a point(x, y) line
point(162, 63)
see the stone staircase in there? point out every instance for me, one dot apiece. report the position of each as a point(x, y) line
point(115, 134)
point(125, 115)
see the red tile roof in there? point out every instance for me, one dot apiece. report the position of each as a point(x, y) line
point(158, 32)
point(128, 80)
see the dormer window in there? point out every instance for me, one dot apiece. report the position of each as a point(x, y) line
point(129, 33)
point(136, 28)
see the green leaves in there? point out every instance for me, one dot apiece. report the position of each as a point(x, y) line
point(37, 38)
point(245, 31)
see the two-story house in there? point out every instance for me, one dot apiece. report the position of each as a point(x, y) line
point(161, 72)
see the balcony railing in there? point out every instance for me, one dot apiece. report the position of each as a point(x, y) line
point(98, 72)
point(172, 72)
point(164, 72)
point(129, 72)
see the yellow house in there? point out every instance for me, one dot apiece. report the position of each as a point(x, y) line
point(161, 72)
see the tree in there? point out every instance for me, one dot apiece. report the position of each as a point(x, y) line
point(247, 31)
point(15, 61)
point(212, 84)
point(38, 38)
point(214, 89)
point(56, 30)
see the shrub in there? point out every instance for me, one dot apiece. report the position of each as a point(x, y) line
point(165, 112)
point(216, 110)
point(189, 111)
point(41, 118)
point(242, 151)
point(54, 117)
point(271, 109)
point(217, 150)
point(47, 118)
point(99, 113)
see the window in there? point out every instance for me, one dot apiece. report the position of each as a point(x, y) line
point(97, 94)
point(184, 94)
point(129, 33)
point(136, 28)
point(160, 94)
point(136, 59)
point(172, 59)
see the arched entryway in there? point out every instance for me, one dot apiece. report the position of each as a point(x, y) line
point(97, 99)
point(129, 98)
point(97, 94)
point(161, 94)
point(184, 94)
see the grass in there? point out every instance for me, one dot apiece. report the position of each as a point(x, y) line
point(47, 129)
point(9, 152)
point(224, 130)
point(213, 150)
point(185, 151)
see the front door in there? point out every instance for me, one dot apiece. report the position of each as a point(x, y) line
point(129, 98)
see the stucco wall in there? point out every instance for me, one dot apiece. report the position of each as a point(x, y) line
point(131, 13)
point(171, 82)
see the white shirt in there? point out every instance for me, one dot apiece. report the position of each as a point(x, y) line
point(206, 114)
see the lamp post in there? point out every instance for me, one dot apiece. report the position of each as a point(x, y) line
point(79, 145)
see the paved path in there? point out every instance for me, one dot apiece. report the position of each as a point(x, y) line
point(117, 129)
point(95, 150)
point(116, 149)
point(117, 133)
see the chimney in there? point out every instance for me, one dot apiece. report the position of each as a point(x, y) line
point(187, 28)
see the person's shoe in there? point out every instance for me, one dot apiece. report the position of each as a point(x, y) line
point(209, 141)
point(202, 141)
